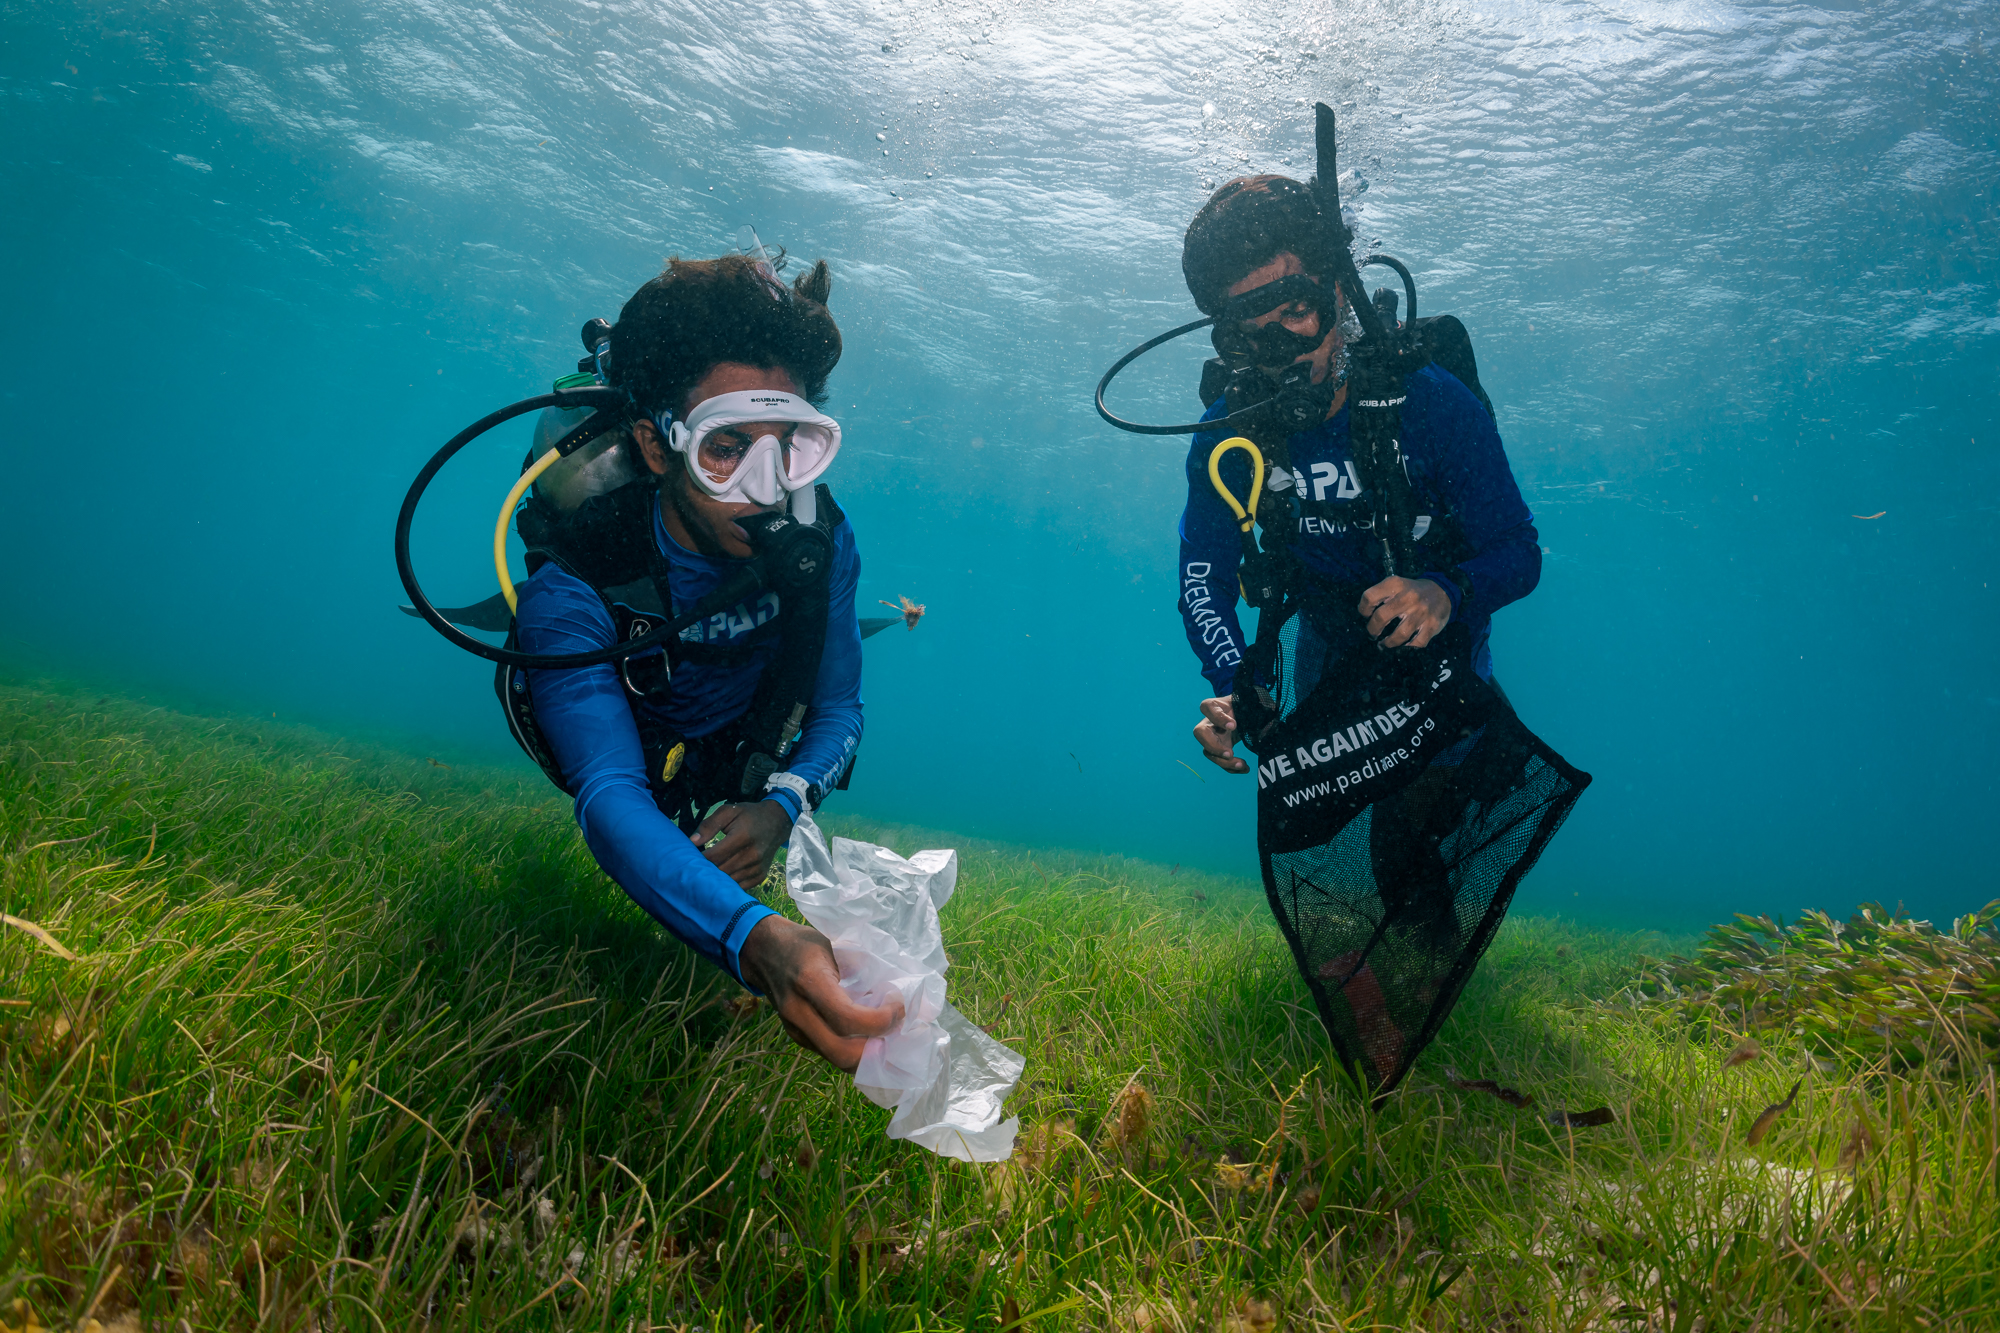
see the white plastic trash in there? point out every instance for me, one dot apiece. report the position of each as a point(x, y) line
point(946, 1079)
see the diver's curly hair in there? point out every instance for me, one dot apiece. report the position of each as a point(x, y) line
point(1244, 225)
point(698, 313)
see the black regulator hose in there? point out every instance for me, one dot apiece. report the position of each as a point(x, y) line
point(790, 554)
point(1409, 283)
point(1133, 355)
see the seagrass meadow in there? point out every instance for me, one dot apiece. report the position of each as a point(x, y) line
point(304, 1034)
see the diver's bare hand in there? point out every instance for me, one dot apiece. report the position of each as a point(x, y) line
point(756, 832)
point(793, 966)
point(1216, 734)
point(1419, 604)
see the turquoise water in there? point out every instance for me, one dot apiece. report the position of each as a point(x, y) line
point(1730, 269)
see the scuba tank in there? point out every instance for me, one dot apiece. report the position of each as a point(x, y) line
point(600, 465)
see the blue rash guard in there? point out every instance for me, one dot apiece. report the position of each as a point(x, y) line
point(585, 716)
point(1458, 470)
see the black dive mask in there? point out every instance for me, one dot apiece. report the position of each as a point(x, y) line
point(1273, 344)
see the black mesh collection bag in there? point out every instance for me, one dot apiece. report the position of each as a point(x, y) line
point(1400, 802)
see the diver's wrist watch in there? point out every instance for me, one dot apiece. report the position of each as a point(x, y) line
point(808, 794)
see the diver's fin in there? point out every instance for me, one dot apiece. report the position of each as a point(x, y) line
point(876, 624)
point(490, 615)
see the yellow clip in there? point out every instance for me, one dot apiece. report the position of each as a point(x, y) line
point(1245, 515)
point(673, 764)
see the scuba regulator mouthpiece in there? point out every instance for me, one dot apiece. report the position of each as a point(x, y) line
point(792, 556)
point(1299, 403)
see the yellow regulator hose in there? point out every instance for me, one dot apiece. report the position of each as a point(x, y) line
point(542, 465)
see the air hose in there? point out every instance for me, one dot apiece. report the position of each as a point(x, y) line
point(506, 517)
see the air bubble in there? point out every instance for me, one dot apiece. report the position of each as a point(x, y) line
point(881, 138)
point(1207, 110)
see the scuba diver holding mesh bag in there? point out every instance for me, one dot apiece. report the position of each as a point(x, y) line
point(1400, 800)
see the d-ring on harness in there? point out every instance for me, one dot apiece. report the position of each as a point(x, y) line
point(1246, 515)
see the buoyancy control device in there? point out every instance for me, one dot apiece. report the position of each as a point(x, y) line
point(1400, 800)
point(601, 532)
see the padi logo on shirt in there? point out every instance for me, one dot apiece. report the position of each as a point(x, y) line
point(1314, 482)
point(739, 620)
point(1336, 483)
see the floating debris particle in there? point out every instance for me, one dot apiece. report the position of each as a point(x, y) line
point(1520, 1101)
point(1249, 1316)
point(24, 1320)
point(1582, 1119)
point(1762, 1124)
point(1859, 1145)
point(911, 611)
point(1131, 1117)
point(1238, 1176)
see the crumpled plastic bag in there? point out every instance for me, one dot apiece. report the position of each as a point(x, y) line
point(945, 1078)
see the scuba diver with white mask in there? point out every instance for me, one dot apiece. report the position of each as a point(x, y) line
point(684, 658)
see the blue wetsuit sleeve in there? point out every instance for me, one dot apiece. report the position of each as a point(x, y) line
point(1211, 547)
point(832, 730)
point(588, 724)
point(1474, 481)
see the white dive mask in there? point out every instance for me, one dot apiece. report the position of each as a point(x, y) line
point(765, 470)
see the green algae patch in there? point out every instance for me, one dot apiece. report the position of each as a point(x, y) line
point(1879, 986)
point(334, 1036)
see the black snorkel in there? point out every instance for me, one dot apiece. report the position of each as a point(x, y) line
point(787, 555)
